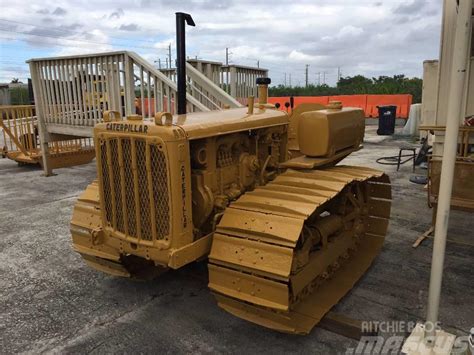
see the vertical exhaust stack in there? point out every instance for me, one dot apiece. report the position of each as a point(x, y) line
point(181, 20)
point(263, 90)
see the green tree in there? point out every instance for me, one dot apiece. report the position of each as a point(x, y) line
point(359, 84)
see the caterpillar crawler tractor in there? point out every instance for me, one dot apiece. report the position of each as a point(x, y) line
point(287, 232)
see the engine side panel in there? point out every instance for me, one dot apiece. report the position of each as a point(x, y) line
point(224, 167)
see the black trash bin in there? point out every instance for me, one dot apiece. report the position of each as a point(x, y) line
point(387, 115)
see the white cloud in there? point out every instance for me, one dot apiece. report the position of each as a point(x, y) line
point(302, 57)
point(369, 37)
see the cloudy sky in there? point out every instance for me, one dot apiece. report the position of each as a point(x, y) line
point(369, 37)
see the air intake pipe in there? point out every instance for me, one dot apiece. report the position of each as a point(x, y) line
point(263, 90)
point(181, 20)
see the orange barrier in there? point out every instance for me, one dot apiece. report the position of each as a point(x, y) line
point(279, 100)
point(403, 103)
point(323, 100)
point(138, 104)
point(351, 100)
point(368, 103)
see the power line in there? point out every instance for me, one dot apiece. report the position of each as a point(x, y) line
point(324, 77)
point(227, 56)
point(306, 75)
point(75, 32)
point(44, 42)
point(75, 40)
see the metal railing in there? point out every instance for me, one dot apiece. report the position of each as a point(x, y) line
point(73, 92)
point(238, 82)
point(205, 90)
point(76, 90)
point(20, 135)
point(19, 131)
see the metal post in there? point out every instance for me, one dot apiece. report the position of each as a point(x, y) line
point(306, 75)
point(181, 20)
point(458, 73)
point(169, 54)
point(233, 81)
point(227, 71)
point(42, 130)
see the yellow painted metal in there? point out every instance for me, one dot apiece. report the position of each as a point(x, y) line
point(190, 252)
point(248, 288)
point(286, 238)
point(337, 129)
point(293, 141)
point(284, 231)
point(271, 259)
point(318, 277)
point(19, 127)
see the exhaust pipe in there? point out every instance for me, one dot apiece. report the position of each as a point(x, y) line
point(263, 90)
point(181, 20)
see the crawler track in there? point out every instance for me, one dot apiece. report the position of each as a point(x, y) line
point(285, 253)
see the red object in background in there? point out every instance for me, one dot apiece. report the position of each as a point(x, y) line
point(323, 100)
point(403, 103)
point(279, 100)
point(351, 100)
point(138, 106)
point(368, 103)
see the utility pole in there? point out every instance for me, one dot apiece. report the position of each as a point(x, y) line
point(306, 75)
point(227, 70)
point(285, 79)
point(290, 80)
point(339, 74)
point(169, 55)
point(159, 63)
point(324, 77)
point(258, 64)
point(319, 78)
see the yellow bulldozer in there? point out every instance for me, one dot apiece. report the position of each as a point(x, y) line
point(286, 230)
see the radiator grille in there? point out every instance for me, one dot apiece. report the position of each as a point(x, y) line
point(128, 198)
point(129, 187)
point(116, 185)
point(160, 192)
